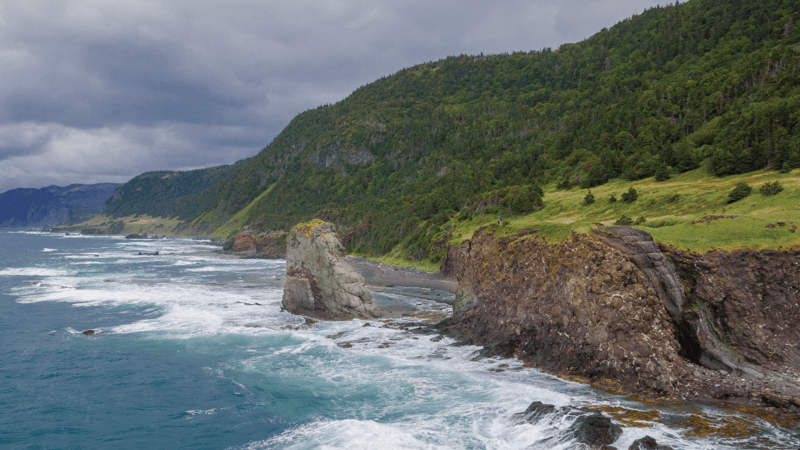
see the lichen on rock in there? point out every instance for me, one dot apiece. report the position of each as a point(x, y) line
point(319, 283)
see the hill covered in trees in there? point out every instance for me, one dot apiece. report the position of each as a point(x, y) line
point(163, 193)
point(657, 94)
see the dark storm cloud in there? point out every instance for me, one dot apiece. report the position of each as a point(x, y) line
point(92, 90)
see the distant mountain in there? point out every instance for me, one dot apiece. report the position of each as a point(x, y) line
point(53, 204)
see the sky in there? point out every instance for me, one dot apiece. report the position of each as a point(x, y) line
point(102, 90)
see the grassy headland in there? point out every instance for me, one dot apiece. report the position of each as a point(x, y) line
point(669, 207)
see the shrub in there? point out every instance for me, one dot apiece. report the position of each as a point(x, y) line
point(739, 192)
point(612, 199)
point(630, 196)
point(662, 173)
point(770, 188)
point(624, 220)
point(662, 223)
point(589, 199)
point(640, 221)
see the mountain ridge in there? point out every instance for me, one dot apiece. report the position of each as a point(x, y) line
point(51, 205)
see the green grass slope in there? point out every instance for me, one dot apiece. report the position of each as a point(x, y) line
point(669, 208)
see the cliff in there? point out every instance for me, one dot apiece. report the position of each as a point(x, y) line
point(619, 311)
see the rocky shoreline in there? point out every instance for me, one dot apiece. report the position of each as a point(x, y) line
point(603, 309)
point(624, 314)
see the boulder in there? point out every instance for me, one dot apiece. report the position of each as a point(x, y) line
point(319, 282)
point(589, 426)
point(647, 443)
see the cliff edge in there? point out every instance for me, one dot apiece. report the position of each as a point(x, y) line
point(618, 310)
point(319, 283)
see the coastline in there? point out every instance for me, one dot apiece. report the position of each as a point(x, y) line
point(381, 275)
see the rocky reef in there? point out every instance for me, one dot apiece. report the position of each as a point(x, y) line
point(618, 310)
point(319, 283)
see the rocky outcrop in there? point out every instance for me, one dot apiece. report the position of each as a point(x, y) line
point(588, 426)
point(319, 283)
point(270, 245)
point(693, 329)
point(742, 309)
point(580, 307)
point(648, 443)
point(618, 310)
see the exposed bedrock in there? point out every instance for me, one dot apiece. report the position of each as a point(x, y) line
point(580, 307)
point(618, 309)
point(743, 309)
point(267, 246)
point(319, 282)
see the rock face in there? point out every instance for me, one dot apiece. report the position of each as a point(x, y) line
point(742, 309)
point(629, 315)
point(580, 307)
point(319, 283)
point(270, 245)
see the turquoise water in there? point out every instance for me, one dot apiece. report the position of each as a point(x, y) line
point(192, 350)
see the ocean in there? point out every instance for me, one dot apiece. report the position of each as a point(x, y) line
point(192, 351)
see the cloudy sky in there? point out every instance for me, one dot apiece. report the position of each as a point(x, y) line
point(102, 90)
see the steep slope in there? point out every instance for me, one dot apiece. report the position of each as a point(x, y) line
point(661, 91)
point(53, 204)
point(163, 193)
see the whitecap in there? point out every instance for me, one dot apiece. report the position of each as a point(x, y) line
point(47, 250)
point(35, 272)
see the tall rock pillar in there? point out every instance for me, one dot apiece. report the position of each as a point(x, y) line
point(319, 283)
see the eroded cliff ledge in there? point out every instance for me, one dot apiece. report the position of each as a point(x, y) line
point(620, 311)
point(319, 283)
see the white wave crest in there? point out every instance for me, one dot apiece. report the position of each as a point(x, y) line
point(35, 272)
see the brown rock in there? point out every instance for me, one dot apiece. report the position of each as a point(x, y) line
point(271, 245)
point(579, 307)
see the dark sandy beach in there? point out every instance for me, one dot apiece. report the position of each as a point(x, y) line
point(382, 275)
point(403, 292)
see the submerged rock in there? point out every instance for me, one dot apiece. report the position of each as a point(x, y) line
point(319, 283)
point(590, 426)
point(578, 307)
point(647, 443)
point(88, 332)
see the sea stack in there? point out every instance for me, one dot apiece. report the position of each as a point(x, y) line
point(319, 283)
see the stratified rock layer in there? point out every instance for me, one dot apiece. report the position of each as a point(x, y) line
point(319, 283)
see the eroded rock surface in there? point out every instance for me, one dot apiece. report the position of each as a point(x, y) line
point(579, 307)
point(629, 315)
point(588, 426)
point(743, 307)
point(270, 245)
point(319, 283)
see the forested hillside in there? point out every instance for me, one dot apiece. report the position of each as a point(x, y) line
point(658, 93)
point(163, 193)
